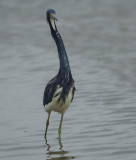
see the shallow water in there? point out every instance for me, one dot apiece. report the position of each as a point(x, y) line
point(100, 39)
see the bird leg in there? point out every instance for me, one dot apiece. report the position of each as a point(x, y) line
point(59, 130)
point(47, 124)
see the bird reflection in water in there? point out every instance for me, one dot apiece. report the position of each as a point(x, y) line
point(60, 144)
point(60, 154)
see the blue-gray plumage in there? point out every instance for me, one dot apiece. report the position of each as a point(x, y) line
point(59, 91)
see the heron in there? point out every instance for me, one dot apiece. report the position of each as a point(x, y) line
point(59, 91)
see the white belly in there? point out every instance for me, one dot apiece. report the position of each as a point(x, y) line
point(60, 106)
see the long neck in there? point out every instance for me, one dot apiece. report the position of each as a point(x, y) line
point(64, 63)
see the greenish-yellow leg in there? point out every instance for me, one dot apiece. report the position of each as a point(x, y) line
point(59, 131)
point(47, 124)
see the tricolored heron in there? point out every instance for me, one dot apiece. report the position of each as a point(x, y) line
point(59, 91)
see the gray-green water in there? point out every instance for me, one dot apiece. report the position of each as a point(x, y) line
point(100, 39)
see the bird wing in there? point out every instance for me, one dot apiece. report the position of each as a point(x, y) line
point(73, 92)
point(49, 92)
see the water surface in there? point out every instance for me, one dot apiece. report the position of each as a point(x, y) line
point(100, 39)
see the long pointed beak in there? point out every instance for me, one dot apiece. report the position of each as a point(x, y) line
point(54, 16)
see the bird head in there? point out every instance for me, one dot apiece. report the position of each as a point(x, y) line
point(51, 18)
